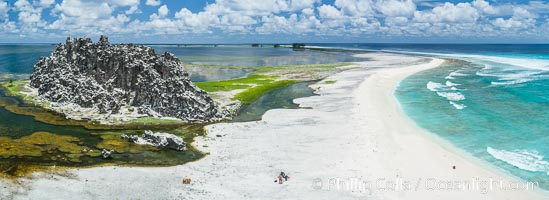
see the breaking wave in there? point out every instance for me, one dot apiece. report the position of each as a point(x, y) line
point(522, 159)
point(433, 86)
point(458, 106)
point(513, 82)
point(453, 74)
point(448, 91)
point(452, 96)
point(509, 76)
point(450, 84)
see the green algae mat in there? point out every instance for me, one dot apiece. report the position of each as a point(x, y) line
point(28, 144)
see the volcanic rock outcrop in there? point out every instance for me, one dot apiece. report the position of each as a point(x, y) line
point(162, 140)
point(110, 77)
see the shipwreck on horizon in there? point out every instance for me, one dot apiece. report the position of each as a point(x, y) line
point(109, 78)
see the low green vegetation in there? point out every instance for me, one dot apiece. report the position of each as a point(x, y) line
point(14, 87)
point(235, 84)
point(265, 79)
point(250, 95)
point(253, 86)
point(17, 88)
point(328, 82)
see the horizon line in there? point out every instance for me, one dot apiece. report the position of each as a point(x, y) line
point(273, 43)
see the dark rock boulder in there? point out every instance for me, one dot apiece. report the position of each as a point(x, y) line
point(106, 154)
point(161, 140)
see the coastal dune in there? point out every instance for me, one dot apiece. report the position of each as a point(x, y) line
point(353, 142)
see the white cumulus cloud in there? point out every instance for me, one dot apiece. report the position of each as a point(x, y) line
point(4, 9)
point(329, 12)
point(396, 8)
point(449, 13)
point(163, 11)
point(153, 2)
point(342, 18)
point(355, 7)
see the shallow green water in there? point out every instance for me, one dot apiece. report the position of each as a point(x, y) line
point(282, 98)
point(205, 74)
point(242, 55)
point(16, 127)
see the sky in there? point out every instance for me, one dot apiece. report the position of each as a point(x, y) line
point(276, 21)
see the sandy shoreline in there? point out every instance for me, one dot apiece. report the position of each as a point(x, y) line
point(355, 142)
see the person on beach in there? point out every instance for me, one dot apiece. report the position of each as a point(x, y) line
point(282, 176)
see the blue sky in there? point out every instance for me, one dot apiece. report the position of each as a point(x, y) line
point(276, 21)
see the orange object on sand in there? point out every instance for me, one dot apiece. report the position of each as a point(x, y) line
point(187, 181)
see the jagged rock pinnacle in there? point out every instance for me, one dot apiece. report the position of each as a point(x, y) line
point(108, 77)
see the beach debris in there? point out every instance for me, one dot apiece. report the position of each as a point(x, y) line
point(162, 140)
point(186, 180)
point(454, 167)
point(106, 154)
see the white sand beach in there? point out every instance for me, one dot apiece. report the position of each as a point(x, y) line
point(353, 142)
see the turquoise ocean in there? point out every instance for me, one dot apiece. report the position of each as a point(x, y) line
point(490, 101)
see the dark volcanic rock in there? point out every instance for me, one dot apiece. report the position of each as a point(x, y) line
point(108, 77)
point(162, 140)
point(106, 154)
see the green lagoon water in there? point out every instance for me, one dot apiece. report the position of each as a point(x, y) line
point(17, 61)
point(244, 55)
point(282, 98)
point(17, 126)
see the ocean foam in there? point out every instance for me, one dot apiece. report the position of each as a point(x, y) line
point(518, 75)
point(522, 159)
point(447, 91)
point(457, 105)
point(450, 84)
point(531, 63)
point(510, 75)
point(453, 74)
point(433, 86)
point(516, 78)
point(452, 96)
point(511, 82)
point(457, 73)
